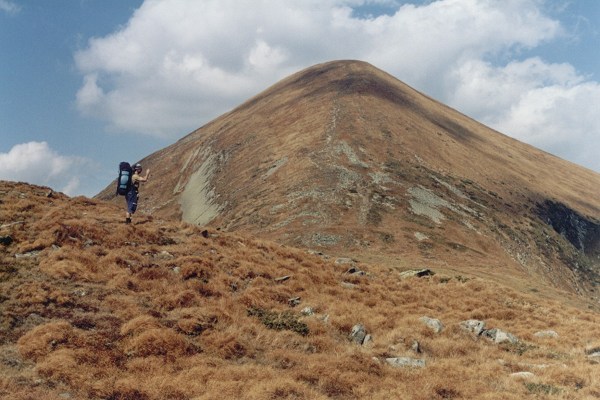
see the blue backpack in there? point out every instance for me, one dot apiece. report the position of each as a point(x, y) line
point(124, 180)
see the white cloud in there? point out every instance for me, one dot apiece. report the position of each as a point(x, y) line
point(548, 105)
point(178, 64)
point(37, 163)
point(9, 7)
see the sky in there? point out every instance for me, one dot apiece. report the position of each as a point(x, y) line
point(85, 84)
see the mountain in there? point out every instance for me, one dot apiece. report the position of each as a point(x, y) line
point(344, 158)
point(93, 308)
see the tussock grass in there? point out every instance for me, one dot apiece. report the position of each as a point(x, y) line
point(102, 310)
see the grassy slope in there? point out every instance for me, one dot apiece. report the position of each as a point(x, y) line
point(158, 311)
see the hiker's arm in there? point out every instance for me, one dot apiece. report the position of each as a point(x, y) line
point(145, 178)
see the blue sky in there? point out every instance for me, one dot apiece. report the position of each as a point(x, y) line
point(85, 84)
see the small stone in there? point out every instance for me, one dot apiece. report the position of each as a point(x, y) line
point(282, 278)
point(522, 375)
point(405, 362)
point(348, 285)
point(546, 334)
point(416, 346)
point(416, 273)
point(307, 311)
point(294, 301)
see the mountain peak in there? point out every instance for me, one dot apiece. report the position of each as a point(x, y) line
point(342, 156)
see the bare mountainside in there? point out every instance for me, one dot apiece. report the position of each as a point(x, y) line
point(93, 308)
point(345, 158)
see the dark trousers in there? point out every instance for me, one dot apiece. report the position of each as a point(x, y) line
point(132, 199)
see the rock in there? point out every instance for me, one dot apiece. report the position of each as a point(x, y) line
point(204, 233)
point(164, 255)
point(282, 278)
point(405, 362)
point(307, 311)
point(6, 240)
point(28, 255)
point(594, 358)
point(348, 285)
point(473, 325)
point(294, 301)
point(417, 273)
point(435, 324)
point(593, 355)
point(368, 340)
point(498, 336)
point(416, 346)
point(358, 334)
point(522, 375)
point(355, 271)
point(546, 334)
point(344, 261)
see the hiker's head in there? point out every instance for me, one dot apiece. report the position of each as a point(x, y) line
point(137, 167)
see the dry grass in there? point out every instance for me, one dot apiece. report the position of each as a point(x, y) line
point(102, 310)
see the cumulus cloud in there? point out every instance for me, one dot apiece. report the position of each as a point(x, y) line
point(9, 7)
point(37, 163)
point(178, 64)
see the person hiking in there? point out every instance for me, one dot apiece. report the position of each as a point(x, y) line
point(132, 195)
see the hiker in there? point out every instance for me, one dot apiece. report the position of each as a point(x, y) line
point(133, 193)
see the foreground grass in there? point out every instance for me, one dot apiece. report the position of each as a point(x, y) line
point(93, 308)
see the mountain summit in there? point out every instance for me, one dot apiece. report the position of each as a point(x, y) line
point(344, 157)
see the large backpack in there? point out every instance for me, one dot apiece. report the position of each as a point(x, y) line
point(124, 180)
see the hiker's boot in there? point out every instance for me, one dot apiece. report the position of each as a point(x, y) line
point(127, 220)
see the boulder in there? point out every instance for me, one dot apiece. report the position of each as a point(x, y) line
point(434, 324)
point(474, 326)
point(498, 336)
point(358, 334)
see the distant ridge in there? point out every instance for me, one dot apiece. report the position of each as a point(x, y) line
point(342, 156)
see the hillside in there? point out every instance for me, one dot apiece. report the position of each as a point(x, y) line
point(344, 158)
point(96, 309)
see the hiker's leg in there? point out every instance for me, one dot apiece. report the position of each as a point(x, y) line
point(131, 205)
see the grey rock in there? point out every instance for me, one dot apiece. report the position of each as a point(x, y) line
point(294, 301)
point(434, 324)
point(405, 362)
point(522, 375)
point(546, 334)
point(473, 325)
point(594, 357)
point(416, 273)
point(498, 336)
point(282, 278)
point(348, 285)
point(307, 311)
point(416, 346)
point(344, 261)
point(355, 271)
point(358, 334)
